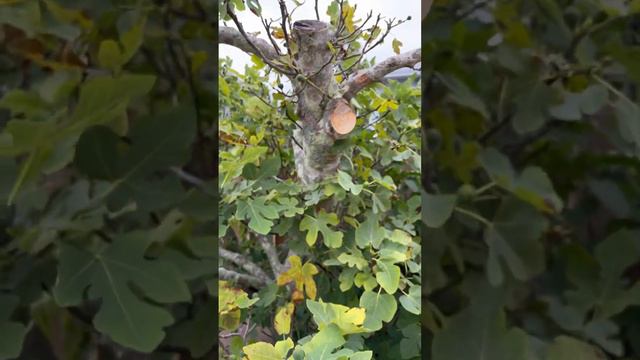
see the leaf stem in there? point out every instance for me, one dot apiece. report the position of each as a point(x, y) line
point(485, 188)
point(612, 88)
point(474, 216)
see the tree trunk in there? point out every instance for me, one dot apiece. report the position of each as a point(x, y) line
point(317, 101)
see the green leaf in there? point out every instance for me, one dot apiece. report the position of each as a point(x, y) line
point(109, 55)
point(366, 280)
point(195, 333)
point(259, 214)
point(324, 343)
point(412, 302)
point(627, 114)
point(437, 208)
point(588, 102)
point(103, 98)
point(224, 86)
point(532, 108)
point(131, 41)
point(99, 153)
point(320, 223)
point(346, 182)
point(462, 95)
point(349, 320)
point(24, 102)
point(370, 232)
point(354, 259)
point(255, 7)
point(388, 276)
point(514, 238)
point(480, 332)
point(532, 185)
point(155, 143)
point(565, 347)
point(13, 333)
point(379, 308)
point(160, 141)
point(608, 290)
point(361, 355)
point(108, 273)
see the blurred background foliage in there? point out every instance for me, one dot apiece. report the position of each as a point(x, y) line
point(107, 179)
point(531, 175)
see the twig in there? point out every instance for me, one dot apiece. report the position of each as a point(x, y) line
point(267, 28)
point(474, 216)
point(245, 263)
point(243, 279)
point(256, 50)
point(612, 89)
point(272, 254)
point(193, 180)
point(283, 12)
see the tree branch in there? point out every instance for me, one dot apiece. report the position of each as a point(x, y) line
point(249, 39)
point(246, 264)
point(272, 254)
point(230, 36)
point(241, 279)
point(376, 73)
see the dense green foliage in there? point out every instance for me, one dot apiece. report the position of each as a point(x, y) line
point(532, 180)
point(107, 150)
point(352, 242)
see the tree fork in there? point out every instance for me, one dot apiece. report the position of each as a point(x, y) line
point(323, 104)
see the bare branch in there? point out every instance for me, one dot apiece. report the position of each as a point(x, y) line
point(254, 48)
point(317, 13)
point(246, 264)
point(272, 254)
point(376, 73)
point(241, 279)
point(267, 27)
point(283, 12)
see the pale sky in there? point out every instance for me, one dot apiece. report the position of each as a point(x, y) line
point(408, 33)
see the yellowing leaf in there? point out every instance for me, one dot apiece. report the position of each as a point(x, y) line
point(301, 275)
point(396, 45)
point(230, 301)
point(282, 321)
point(349, 320)
point(261, 351)
point(347, 15)
point(388, 104)
point(278, 33)
point(265, 351)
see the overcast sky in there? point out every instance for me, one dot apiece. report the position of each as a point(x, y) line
point(408, 33)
